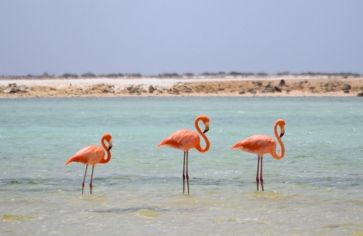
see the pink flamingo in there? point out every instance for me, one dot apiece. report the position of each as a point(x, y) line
point(263, 144)
point(92, 155)
point(186, 139)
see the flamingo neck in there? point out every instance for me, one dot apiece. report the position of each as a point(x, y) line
point(282, 146)
point(207, 144)
point(108, 153)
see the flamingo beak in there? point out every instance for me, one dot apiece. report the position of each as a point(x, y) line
point(110, 146)
point(282, 133)
point(206, 128)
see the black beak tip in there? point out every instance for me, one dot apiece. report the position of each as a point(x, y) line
point(109, 148)
point(205, 131)
point(282, 134)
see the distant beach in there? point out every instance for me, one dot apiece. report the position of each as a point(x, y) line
point(183, 85)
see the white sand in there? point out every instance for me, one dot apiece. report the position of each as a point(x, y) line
point(124, 82)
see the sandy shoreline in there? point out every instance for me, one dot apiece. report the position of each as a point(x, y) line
point(191, 86)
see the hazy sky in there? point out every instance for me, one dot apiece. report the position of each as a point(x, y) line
point(154, 36)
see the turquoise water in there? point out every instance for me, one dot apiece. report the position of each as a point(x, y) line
point(316, 189)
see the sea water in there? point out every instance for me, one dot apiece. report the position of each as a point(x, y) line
point(316, 189)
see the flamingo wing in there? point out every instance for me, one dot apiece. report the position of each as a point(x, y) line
point(182, 139)
point(258, 144)
point(92, 154)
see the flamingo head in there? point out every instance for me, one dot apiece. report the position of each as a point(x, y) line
point(108, 138)
point(205, 120)
point(281, 124)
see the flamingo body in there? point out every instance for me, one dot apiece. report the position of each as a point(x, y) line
point(257, 144)
point(183, 139)
point(90, 155)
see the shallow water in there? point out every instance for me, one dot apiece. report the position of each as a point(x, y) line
point(316, 189)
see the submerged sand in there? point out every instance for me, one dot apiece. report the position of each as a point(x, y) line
point(188, 86)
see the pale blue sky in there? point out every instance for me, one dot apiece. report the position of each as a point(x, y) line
point(154, 36)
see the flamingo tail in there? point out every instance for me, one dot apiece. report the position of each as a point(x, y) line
point(237, 146)
point(165, 142)
point(75, 158)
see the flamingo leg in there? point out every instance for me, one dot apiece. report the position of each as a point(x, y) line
point(187, 174)
point(257, 173)
point(184, 173)
point(84, 178)
point(261, 178)
point(90, 184)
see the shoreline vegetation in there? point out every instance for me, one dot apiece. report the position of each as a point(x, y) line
point(187, 84)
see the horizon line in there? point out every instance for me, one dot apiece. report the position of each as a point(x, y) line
point(184, 74)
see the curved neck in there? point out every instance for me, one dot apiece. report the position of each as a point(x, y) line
point(207, 144)
point(108, 153)
point(282, 147)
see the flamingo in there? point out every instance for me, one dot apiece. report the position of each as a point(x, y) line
point(92, 155)
point(185, 140)
point(263, 144)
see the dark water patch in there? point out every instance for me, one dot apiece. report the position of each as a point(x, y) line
point(129, 210)
point(218, 182)
point(161, 180)
point(135, 180)
point(142, 209)
point(331, 181)
point(37, 184)
point(26, 181)
point(74, 184)
point(23, 181)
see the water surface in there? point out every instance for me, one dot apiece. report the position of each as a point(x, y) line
point(316, 189)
